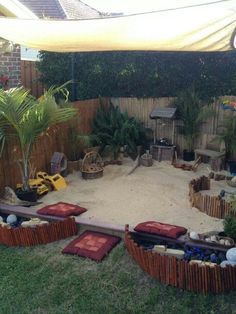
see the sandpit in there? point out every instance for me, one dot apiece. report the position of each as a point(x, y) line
point(156, 193)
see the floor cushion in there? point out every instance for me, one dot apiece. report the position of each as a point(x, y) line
point(158, 228)
point(91, 244)
point(62, 209)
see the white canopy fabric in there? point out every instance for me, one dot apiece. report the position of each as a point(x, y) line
point(199, 28)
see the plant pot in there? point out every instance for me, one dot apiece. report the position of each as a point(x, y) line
point(188, 155)
point(73, 165)
point(232, 166)
point(30, 196)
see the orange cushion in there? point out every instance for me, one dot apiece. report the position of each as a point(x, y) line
point(91, 244)
point(62, 209)
point(158, 228)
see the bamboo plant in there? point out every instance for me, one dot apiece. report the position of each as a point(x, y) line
point(24, 118)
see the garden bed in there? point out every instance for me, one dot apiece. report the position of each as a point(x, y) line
point(180, 273)
point(41, 234)
point(213, 206)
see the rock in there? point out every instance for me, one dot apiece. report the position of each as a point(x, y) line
point(227, 243)
point(194, 235)
point(225, 263)
point(213, 238)
point(222, 242)
point(233, 179)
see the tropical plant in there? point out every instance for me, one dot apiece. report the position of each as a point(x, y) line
point(227, 134)
point(230, 219)
point(115, 129)
point(230, 226)
point(193, 113)
point(79, 142)
point(24, 118)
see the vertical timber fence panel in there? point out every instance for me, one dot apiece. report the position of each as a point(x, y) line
point(139, 108)
point(142, 107)
point(45, 146)
point(30, 78)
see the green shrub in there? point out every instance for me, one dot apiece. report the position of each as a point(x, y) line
point(115, 129)
point(230, 226)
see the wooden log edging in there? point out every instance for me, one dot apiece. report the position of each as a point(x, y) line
point(41, 234)
point(213, 206)
point(179, 273)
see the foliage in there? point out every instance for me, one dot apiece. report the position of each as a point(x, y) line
point(42, 280)
point(230, 220)
point(228, 135)
point(143, 74)
point(73, 142)
point(230, 226)
point(78, 142)
point(115, 129)
point(23, 118)
point(193, 113)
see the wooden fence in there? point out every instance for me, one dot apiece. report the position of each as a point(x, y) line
point(142, 107)
point(46, 145)
point(139, 108)
point(30, 78)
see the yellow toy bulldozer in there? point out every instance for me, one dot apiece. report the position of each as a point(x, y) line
point(38, 184)
point(55, 182)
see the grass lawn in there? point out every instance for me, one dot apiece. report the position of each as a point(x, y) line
point(42, 280)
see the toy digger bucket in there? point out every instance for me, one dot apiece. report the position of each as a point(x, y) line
point(56, 181)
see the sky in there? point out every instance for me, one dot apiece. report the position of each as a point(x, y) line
point(138, 6)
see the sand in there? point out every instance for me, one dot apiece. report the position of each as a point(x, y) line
point(156, 193)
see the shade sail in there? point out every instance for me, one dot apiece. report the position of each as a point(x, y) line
point(198, 28)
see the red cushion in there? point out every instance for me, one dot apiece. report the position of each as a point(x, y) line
point(159, 228)
point(62, 209)
point(91, 244)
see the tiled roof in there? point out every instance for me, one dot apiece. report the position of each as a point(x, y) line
point(76, 9)
point(61, 9)
point(45, 8)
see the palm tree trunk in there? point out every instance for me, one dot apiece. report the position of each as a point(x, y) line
point(25, 167)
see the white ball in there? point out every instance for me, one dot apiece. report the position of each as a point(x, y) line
point(1, 219)
point(11, 219)
point(231, 255)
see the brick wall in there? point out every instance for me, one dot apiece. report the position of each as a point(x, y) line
point(10, 65)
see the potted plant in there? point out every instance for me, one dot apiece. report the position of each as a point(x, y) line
point(192, 112)
point(24, 118)
point(227, 134)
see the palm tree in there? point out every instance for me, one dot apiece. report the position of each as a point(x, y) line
point(193, 113)
point(24, 118)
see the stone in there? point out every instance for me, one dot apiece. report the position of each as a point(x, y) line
point(225, 263)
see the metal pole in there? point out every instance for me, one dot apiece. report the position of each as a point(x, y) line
point(155, 133)
point(73, 81)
